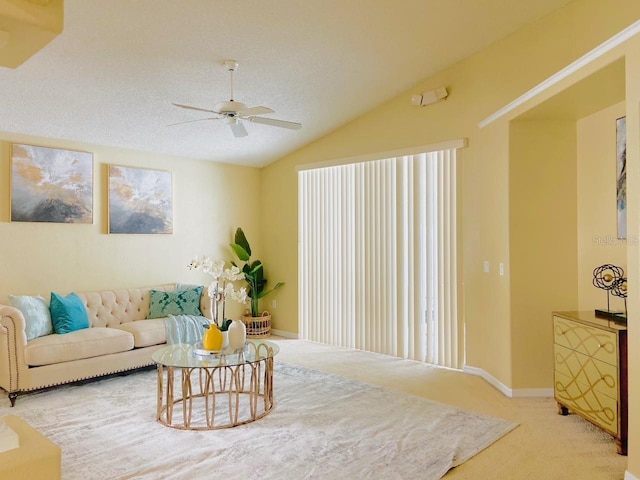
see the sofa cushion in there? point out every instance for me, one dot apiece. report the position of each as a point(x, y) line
point(35, 311)
point(85, 343)
point(180, 302)
point(68, 314)
point(109, 308)
point(146, 332)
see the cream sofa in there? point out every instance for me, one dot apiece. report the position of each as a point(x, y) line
point(120, 338)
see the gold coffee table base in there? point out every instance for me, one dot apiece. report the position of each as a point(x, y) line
point(220, 393)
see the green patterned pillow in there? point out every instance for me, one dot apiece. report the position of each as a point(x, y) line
point(180, 302)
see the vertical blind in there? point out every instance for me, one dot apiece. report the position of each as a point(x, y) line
point(377, 257)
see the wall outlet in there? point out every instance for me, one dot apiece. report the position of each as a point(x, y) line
point(273, 304)
point(486, 266)
point(502, 269)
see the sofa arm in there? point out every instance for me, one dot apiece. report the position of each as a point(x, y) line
point(13, 340)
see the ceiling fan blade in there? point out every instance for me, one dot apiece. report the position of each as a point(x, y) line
point(238, 129)
point(189, 107)
point(276, 123)
point(247, 112)
point(191, 121)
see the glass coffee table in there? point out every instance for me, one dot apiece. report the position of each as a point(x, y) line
point(200, 390)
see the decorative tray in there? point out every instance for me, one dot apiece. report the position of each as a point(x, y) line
point(202, 351)
point(199, 350)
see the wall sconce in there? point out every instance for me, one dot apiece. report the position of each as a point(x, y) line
point(430, 97)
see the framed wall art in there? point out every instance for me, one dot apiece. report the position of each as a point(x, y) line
point(51, 185)
point(140, 200)
point(621, 176)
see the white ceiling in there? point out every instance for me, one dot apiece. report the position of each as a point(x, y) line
point(110, 77)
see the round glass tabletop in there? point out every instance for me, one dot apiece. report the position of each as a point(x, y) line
point(184, 355)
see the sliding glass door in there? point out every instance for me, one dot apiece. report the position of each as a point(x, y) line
point(377, 257)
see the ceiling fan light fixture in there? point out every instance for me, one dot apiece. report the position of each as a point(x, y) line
point(231, 107)
point(233, 112)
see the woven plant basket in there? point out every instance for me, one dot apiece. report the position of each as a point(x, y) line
point(257, 327)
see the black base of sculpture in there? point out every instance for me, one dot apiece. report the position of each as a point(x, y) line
point(615, 315)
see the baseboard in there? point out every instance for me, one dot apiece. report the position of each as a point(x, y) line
point(533, 392)
point(506, 391)
point(489, 378)
point(284, 333)
point(628, 476)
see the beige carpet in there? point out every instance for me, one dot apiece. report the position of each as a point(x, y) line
point(544, 446)
point(323, 426)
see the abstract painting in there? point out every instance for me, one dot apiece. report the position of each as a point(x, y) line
point(140, 200)
point(621, 175)
point(51, 185)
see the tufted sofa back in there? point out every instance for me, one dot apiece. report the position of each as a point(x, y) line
point(110, 308)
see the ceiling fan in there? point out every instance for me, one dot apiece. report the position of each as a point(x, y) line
point(233, 113)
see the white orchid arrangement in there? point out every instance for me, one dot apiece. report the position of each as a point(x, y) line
point(222, 285)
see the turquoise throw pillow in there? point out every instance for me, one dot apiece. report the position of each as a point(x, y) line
point(68, 314)
point(180, 302)
point(35, 311)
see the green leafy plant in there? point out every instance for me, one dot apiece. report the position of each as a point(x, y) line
point(253, 272)
point(225, 325)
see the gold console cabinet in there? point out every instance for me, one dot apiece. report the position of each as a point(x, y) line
point(590, 371)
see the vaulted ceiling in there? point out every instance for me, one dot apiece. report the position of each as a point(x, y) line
point(112, 74)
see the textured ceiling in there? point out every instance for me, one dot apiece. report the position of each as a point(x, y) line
point(109, 78)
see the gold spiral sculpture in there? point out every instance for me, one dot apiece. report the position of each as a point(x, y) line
point(611, 279)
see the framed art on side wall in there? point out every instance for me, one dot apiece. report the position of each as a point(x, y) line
point(140, 200)
point(51, 185)
point(621, 176)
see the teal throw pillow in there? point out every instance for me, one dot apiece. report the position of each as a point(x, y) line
point(68, 314)
point(35, 311)
point(180, 302)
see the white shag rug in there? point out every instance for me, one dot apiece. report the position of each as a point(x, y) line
point(323, 426)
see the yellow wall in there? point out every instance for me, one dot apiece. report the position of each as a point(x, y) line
point(633, 247)
point(512, 348)
point(598, 242)
point(562, 214)
point(543, 230)
point(478, 87)
point(37, 258)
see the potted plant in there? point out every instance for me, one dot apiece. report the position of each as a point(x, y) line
point(254, 275)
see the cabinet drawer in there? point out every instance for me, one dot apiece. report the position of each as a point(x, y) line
point(596, 343)
point(587, 402)
point(588, 371)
